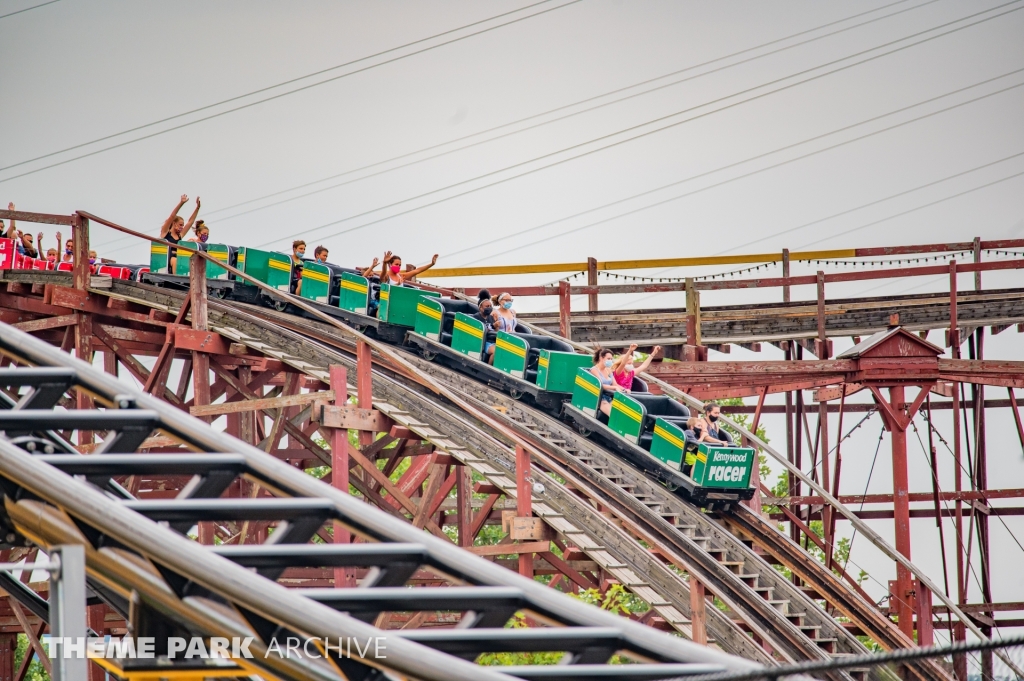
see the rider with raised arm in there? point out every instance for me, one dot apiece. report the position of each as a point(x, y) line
point(391, 270)
point(175, 228)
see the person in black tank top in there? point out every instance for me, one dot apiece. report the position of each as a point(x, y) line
point(174, 228)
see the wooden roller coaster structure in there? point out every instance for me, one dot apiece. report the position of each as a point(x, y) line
point(319, 395)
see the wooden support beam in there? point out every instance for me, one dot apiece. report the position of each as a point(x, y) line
point(263, 403)
point(47, 323)
point(564, 310)
point(33, 640)
point(354, 418)
point(698, 611)
point(525, 548)
point(592, 281)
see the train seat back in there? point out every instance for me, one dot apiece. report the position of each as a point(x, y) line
point(398, 304)
point(114, 271)
point(555, 370)
point(451, 307)
point(316, 281)
point(224, 254)
point(664, 407)
point(519, 353)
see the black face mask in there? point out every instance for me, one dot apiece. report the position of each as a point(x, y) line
point(712, 418)
point(486, 310)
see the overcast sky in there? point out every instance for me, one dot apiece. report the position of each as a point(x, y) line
point(735, 107)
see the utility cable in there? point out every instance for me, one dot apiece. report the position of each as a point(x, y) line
point(283, 94)
point(765, 169)
point(914, 210)
point(663, 118)
point(42, 4)
point(547, 122)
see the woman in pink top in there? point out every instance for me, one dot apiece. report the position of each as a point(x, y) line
point(624, 371)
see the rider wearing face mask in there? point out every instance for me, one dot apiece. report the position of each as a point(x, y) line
point(202, 233)
point(602, 368)
point(624, 369)
point(486, 315)
point(714, 432)
point(391, 271)
point(320, 255)
point(298, 257)
point(505, 319)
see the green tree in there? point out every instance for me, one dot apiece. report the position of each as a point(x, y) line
point(35, 671)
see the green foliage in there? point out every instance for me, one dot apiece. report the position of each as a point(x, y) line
point(35, 670)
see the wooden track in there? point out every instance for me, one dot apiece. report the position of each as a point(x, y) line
point(777, 322)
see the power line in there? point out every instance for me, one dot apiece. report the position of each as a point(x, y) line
point(921, 207)
point(42, 4)
point(778, 165)
point(662, 118)
point(560, 118)
point(872, 203)
point(283, 94)
point(738, 163)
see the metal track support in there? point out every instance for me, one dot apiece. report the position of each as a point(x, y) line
point(901, 508)
point(67, 613)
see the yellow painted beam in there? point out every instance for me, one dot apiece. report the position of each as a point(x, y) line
point(636, 264)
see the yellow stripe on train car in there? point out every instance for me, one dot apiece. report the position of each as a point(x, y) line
point(588, 386)
point(385, 295)
point(184, 253)
point(158, 250)
point(466, 328)
point(322, 277)
point(510, 347)
point(349, 285)
point(669, 437)
point(703, 458)
point(218, 255)
point(429, 311)
point(543, 362)
point(278, 265)
point(627, 410)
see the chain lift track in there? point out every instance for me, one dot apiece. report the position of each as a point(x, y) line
point(142, 565)
point(780, 614)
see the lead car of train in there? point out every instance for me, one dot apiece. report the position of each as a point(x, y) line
point(646, 430)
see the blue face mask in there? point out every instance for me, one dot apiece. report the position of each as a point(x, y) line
point(68, 251)
point(608, 363)
point(507, 305)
